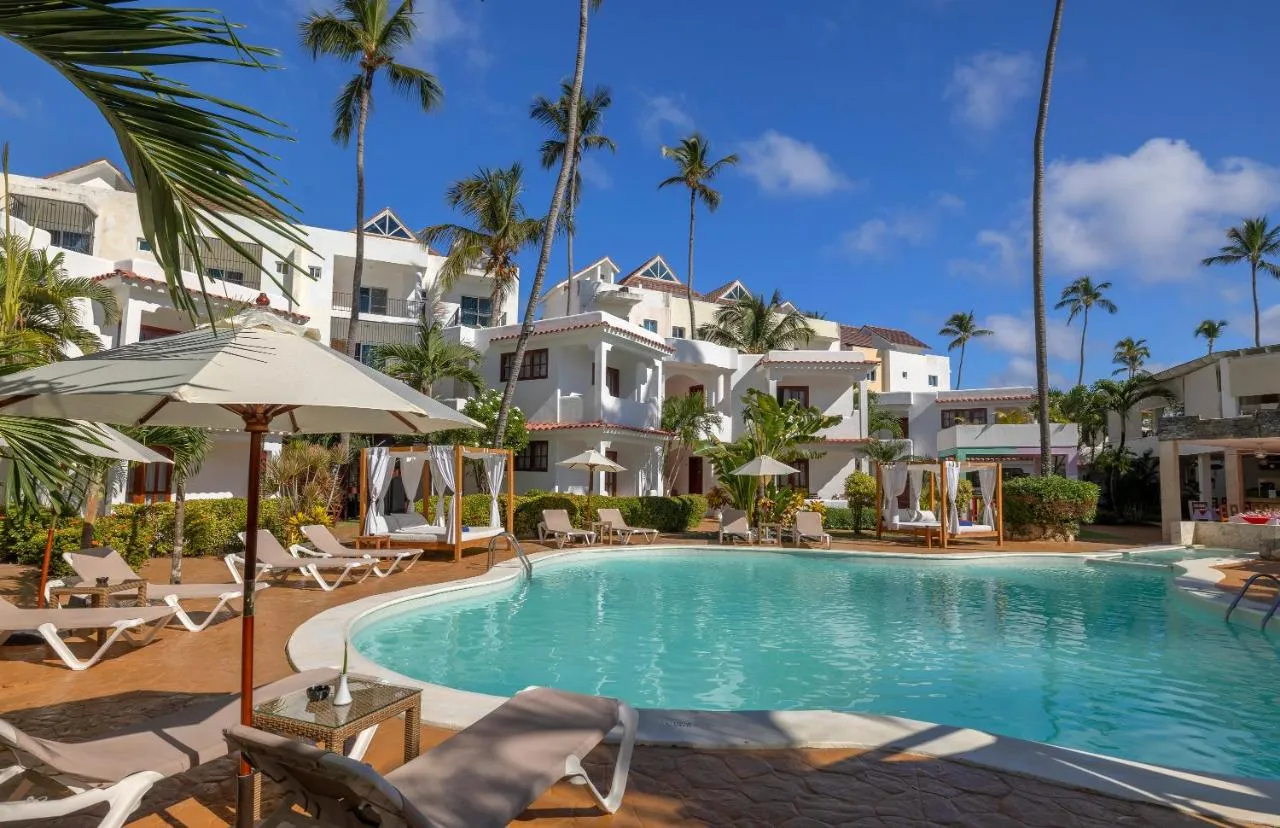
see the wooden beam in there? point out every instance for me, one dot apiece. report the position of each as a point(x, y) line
point(944, 525)
point(364, 487)
point(511, 491)
point(879, 503)
point(999, 505)
point(457, 502)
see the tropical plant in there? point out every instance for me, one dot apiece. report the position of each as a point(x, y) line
point(688, 421)
point(885, 451)
point(753, 326)
point(555, 114)
point(1081, 406)
point(695, 171)
point(372, 35)
point(1211, 331)
point(860, 491)
point(192, 156)
point(1122, 396)
point(484, 408)
point(961, 327)
point(187, 448)
point(1080, 296)
point(1037, 246)
point(1130, 354)
point(585, 7)
point(420, 365)
point(305, 476)
point(1257, 243)
point(500, 229)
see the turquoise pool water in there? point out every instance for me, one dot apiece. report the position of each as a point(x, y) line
point(1106, 659)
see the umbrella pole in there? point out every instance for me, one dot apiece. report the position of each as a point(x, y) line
point(44, 568)
point(591, 482)
point(256, 426)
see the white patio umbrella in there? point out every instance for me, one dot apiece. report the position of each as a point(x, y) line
point(255, 372)
point(762, 467)
point(591, 460)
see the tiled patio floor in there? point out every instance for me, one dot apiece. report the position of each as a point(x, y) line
point(668, 786)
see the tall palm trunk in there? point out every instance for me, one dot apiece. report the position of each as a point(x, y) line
point(357, 272)
point(1037, 248)
point(1084, 330)
point(1257, 317)
point(179, 536)
point(569, 215)
point(549, 232)
point(693, 323)
point(960, 370)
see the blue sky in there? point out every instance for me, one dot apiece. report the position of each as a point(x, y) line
point(886, 149)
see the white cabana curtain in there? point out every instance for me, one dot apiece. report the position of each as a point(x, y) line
point(917, 482)
point(494, 466)
point(894, 478)
point(987, 486)
point(444, 485)
point(378, 475)
point(952, 471)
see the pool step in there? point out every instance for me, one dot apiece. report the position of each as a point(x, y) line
point(1166, 567)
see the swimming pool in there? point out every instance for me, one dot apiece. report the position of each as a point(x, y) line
point(1112, 660)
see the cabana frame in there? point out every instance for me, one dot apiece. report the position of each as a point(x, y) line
point(938, 480)
point(460, 454)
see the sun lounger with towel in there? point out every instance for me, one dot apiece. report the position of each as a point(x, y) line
point(119, 768)
point(121, 621)
point(555, 525)
point(619, 526)
point(809, 527)
point(733, 524)
point(328, 546)
point(483, 777)
point(105, 562)
point(274, 561)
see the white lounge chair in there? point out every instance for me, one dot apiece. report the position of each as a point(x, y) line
point(326, 545)
point(50, 623)
point(556, 526)
point(274, 561)
point(733, 524)
point(619, 526)
point(119, 768)
point(809, 527)
point(483, 777)
point(105, 562)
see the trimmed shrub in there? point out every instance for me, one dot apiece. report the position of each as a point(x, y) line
point(666, 514)
point(838, 517)
point(1048, 507)
point(475, 509)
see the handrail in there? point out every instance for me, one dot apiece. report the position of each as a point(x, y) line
point(514, 544)
point(1275, 605)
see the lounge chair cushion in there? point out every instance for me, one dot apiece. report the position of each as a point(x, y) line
point(14, 619)
point(409, 522)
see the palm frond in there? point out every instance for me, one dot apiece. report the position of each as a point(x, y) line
point(346, 110)
point(327, 34)
point(417, 83)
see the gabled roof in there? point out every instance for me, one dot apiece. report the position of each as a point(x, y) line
point(728, 292)
point(560, 285)
point(855, 337)
point(977, 395)
point(895, 336)
point(1209, 359)
point(105, 169)
point(387, 224)
point(656, 274)
point(127, 276)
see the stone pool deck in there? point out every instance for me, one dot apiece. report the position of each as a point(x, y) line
point(668, 786)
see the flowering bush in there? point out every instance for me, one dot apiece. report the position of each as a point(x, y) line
point(718, 498)
point(779, 505)
point(317, 515)
point(1048, 507)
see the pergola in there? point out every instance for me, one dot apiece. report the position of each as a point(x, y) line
point(938, 499)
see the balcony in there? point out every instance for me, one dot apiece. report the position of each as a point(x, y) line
point(457, 317)
point(696, 352)
point(1022, 437)
point(402, 308)
point(631, 413)
point(850, 428)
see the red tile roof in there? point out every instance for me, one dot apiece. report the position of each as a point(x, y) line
point(976, 398)
point(895, 335)
point(678, 288)
point(717, 295)
point(653, 342)
point(594, 424)
point(855, 337)
point(130, 276)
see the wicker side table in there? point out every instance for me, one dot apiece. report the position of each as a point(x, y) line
point(372, 703)
point(603, 530)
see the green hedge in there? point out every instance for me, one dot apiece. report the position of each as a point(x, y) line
point(666, 514)
point(1055, 503)
point(842, 518)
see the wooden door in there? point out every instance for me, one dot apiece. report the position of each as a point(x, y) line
point(611, 478)
point(695, 475)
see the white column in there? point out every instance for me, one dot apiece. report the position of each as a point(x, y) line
point(1234, 474)
point(603, 447)
point(1228, 397)
point(658, 379)
point(602, 364)
point(131, 320)
point(864, 421)
point(1204, 475)
point(1170, 490)
point(642, 382)
point(656, 476)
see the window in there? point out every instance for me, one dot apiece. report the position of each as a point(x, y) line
point(69, 223)
point(612, 381)
point(534, 457)
point(367, 352)
point(148, 332)
point(677, 332)
point(933, 380)
point(700, 390)
point(736, 293)
point(799, 393)
point(532, 367)
point(477, 312)
point(1251, 404)
point(659, 270)
point(386, 224)
point(800, 480)
point(872, 376)
point(650, 325)
point(282, 268)
point(314, 273)
point(151, 482)
point(611, 478)
point(373, 300)
point(144, 245)
point(70, 240)
point(904, 374)
point(233, 276)
point(962, 416)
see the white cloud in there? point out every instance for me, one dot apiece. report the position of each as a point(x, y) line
point(594, 173)
point(1001, 259)
point(1270, 321)
point(1016, 335)
point(1159, 210)
point(786, 166)
point(911, 227)
point(984, 87)
point(660, 113)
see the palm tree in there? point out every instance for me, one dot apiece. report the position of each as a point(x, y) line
point(1211, 331)
point(883, 452)
point(372, 35)
point(555, 114)
point(501, 229)
point(1130, 355)
point(1037, 247)
point(881, 420)
point(422, 364)
point(1120, 397)
point(754, 326)
point(1081, 406)
point(961, 327)
point(188, 448)
point(585, 7)
point(1254, 241)
point(1080, 296)
point(688, 421)
point(193, 157)
point(694, 171)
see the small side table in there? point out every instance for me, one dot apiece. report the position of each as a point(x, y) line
point(100, 596)
point(770, 533)
point(603, 530)
point(373, 542)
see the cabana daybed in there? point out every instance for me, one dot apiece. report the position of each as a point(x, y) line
point(943, 521)
point(427, 471)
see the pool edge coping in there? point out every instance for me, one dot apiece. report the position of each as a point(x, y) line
point(310, 646)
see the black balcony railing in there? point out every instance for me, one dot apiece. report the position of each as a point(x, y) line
point(379, 304)
point(471, 319)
